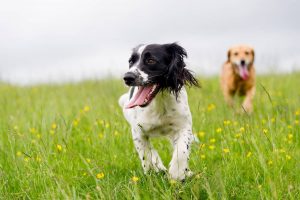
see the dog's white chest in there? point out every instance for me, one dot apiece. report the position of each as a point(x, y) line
point(163, 116)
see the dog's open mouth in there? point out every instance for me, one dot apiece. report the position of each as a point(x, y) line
point(144, 96)
point(244, 73)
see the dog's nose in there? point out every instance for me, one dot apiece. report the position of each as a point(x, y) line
point(243, 62)
point(129, 78)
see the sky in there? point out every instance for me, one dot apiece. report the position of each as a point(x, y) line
point(70, 40)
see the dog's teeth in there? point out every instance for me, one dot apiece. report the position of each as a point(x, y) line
point(153, 88)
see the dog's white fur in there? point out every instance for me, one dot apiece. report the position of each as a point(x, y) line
point(164, 116)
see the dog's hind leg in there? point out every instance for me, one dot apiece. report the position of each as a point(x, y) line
point(179, 164)
point(147, 154)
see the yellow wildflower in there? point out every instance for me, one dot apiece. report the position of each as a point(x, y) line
point(226, 150)
point(100, 122)
point(265, 131)
point(201, 134)
point(75, 122)
point(173, 182)
point(202, 156)
point(282, 150)
point(238, 135)
point(211, 107)
point(242, 129)
point(19, 153)
point(100, 135)
point(259, 187)
point(59, 147)
point(52, 132)
point(249, 154)
point(227, 122)
point(53, 126)
point(270, 162)
point(289, 127)
point(107, 125)
point(32, 130)
point(88, 160)
point(290, 136)
point(86, 109)
point(212, 140)
point(211, 147)
point(219, 130)
point(135, 179)
point(38, 159)
point(16, 128)
point(288, 157)
point(297, 112)
point(296, 122)
point(100, 175)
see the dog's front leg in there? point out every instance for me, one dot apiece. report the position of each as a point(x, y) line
point(148, 156)
point(179, 164)
point(228, 96)
point(247, 104)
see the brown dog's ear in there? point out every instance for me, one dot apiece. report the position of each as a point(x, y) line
point(253, 54)
point(228, 55)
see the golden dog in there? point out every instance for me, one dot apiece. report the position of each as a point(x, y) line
point(238, 76)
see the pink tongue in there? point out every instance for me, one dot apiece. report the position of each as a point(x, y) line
point(140, 97)
point(244, 73)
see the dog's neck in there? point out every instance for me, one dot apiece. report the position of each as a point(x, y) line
point(166, 100)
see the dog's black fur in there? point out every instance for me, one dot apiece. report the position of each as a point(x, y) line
point(165, 66)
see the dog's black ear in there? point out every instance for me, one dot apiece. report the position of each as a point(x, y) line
point(177, 74)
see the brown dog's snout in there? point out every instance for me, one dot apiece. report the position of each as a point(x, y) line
point(243, 62)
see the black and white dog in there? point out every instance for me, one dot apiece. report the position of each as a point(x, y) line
point(157, 105)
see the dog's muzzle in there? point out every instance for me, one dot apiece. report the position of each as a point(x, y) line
point(130, 78)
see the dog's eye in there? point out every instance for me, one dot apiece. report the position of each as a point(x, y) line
point(247, 53)
point(150, 61)
point(236, 53)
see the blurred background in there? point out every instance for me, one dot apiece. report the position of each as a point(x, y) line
point(71, 40)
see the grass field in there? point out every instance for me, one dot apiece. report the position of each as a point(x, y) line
point(72, 141)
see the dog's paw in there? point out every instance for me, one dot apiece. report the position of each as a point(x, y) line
point(179, 174)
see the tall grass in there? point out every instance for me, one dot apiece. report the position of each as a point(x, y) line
point(72, 141)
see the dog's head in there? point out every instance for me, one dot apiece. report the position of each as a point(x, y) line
point(242, 58)
point(154, 68)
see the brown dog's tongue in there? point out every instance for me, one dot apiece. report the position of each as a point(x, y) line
point(140, 97)
point(244, 73)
